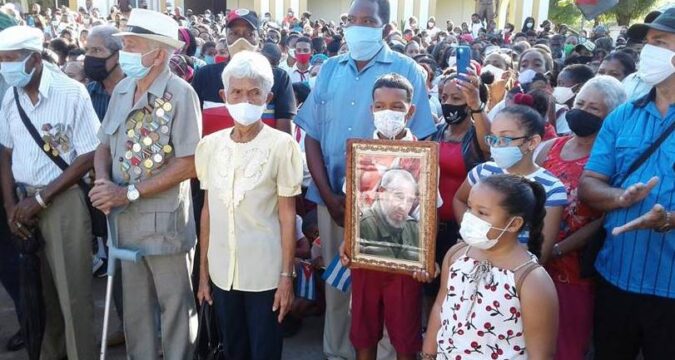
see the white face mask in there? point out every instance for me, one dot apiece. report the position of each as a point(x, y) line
point(562, 94)
point(474, 231)
point(497, 72)
point(244, 113)
point(389, 123)
point(656, 64)
point(526, 76)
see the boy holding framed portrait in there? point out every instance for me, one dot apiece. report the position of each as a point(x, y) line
point(390, 224)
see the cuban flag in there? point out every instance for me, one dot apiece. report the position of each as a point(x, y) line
point(593, 8)
point(337, 275)
point(306, 287)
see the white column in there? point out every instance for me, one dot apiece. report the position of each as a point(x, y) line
point(279, 12)
point(424, 13)
point(295, 5)
point(393, 6)
point(527, 11)
point(408, 9)
point(264, 7)
point(543, 10)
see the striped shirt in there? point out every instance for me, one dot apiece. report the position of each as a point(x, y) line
point(556, 195)
point(99, 98)
point(63, 111)
point(640, 261)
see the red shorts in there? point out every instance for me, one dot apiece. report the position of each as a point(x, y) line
point(394, 300)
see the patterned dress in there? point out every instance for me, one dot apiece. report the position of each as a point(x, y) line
point(481, 315)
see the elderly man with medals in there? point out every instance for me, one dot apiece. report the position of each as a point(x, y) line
point(143, 166)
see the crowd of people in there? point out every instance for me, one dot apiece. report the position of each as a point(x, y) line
point(215, 146)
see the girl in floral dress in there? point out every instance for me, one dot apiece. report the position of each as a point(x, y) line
point(497, 302)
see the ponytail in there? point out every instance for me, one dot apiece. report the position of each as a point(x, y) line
point(536, 221)
point(524, 198)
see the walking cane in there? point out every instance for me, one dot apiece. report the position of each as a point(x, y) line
point(114, 254)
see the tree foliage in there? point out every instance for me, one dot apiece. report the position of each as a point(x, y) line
point(628, 10)
point(566, 11)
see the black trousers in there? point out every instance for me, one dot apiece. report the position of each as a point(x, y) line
point(249, 329)
point(626, 323)
point(9, 262)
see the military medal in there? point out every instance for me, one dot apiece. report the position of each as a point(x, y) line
point(47, 147)
point(148, 163)
point(128, 155)
point(159, 112)
point(136, 147)
point(167, 149)
point(136, 170)
point(158, 158)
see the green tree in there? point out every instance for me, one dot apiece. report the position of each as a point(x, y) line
point(564, 12)
point(628, 10)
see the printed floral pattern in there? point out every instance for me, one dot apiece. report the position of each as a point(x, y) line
point(480, 317)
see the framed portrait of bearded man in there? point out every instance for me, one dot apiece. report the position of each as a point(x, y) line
point(391, 198)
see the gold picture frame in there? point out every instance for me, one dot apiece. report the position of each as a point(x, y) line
point(391, 205)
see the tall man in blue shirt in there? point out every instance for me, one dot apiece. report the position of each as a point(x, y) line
point(339, 108)
point(635, 300)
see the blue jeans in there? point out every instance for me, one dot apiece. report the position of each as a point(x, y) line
point(247, 325)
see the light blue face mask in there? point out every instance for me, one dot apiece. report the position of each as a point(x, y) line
point(363, 42)
point(132, 64)
point(15, 73)
point(506, 156)
point(210, 59)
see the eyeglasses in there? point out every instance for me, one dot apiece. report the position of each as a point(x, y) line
point(502, 141)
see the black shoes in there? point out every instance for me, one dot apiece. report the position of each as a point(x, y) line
point(15, 343)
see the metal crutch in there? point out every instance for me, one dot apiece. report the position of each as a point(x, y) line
point(114, 254)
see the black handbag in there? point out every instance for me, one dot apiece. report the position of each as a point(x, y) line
point(590, 253)
point(98, 219)
point(208, 346)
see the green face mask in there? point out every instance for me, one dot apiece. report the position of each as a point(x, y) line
point(568, 49)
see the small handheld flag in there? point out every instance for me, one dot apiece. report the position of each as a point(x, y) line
point(337, 275)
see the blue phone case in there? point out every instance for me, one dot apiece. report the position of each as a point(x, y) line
point(463, 58)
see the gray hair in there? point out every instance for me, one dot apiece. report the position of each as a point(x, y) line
point(105, 33)
point(613, 93)
point(250, 65)
point(395, 176)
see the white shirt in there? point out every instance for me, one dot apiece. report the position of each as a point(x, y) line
point(298, 76)
point(475, 28)
point(244, 182)
point(63, 104)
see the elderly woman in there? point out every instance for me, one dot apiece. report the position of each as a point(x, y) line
point(566, 157)
point(251, 174)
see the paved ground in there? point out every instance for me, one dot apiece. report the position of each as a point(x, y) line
point(306, 345)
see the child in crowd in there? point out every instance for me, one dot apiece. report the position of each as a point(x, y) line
point(496, 301)
point(383, 299)
point(515, 133)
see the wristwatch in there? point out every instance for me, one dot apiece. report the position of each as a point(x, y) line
point(132, 193)
point(291, 275)
point(480, 109)
point(557, 253)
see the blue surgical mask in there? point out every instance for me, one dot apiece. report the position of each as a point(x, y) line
point(15, 74)
point(506, 156)
point(132, 64)
point(209, 59)
point(363, 42)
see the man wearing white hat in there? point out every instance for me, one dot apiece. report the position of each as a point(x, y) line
point(40, 196)
point(143, 166)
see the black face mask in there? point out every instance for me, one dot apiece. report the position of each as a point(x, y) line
point(583, 123)
point(95, 68)
point(454, 114)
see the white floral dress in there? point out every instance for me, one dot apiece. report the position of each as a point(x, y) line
point(481, 317)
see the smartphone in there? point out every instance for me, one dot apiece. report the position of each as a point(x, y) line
point(463, 54)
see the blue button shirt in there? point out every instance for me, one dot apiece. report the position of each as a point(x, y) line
point(640, 261)
point(99, 98)
point(339, 108)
